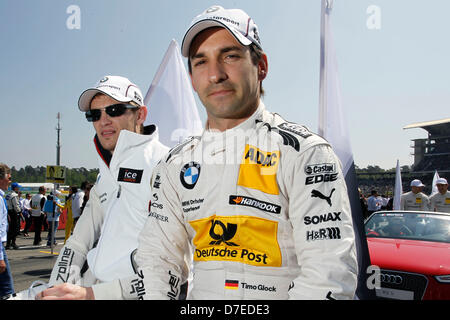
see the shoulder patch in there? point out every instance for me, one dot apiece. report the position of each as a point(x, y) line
point(288, 138)
point(177, 149)
point(300, 130)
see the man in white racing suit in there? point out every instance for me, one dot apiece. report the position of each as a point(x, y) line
point(258, 203)
point(97, 260)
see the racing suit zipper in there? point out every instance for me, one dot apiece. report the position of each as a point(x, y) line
point(118, 192)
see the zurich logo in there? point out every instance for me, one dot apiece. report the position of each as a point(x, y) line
point(189, 175)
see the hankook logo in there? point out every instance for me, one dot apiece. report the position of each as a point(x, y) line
point(254, 203)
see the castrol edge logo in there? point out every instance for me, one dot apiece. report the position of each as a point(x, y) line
point(244, 239)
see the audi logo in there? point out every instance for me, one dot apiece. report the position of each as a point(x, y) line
point(391, 278)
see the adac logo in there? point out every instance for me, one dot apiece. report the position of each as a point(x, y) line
point(189, 175)
point(258, 170)
point(222, 234)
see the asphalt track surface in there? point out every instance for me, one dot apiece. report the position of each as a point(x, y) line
point(30, 262)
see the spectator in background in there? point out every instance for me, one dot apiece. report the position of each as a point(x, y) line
point(384, 201)
point(441, 201)
point(26, 212)
point(77, 202)
point(415, 200)
point(373, 202)
point(6, 280)
point(52, 208)
point(68, 208)
point(37, 214)
point(87, 189)
point(14, 213)
point(363, 202)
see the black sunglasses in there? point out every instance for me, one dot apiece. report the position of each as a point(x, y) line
point(114, 110)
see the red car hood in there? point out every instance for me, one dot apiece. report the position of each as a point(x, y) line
point(432, 258)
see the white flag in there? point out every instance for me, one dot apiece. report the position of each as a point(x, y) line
point(398, 191)
point(434, 188)
point(333, 127)
point(332, 120)
point(170, 100)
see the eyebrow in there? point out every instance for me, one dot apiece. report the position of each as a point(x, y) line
point(223, 50)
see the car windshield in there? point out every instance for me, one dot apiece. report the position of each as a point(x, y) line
point(409, 225)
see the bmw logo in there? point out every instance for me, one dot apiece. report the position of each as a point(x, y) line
point(189, 175)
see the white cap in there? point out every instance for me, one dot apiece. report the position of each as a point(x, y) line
point(236, 21)
point(417, 183)
point(441, 181)
point(116, 87)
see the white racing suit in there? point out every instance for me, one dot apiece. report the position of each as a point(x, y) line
point(261, 208)
point(100, 251)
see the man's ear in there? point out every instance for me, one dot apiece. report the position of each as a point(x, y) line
point(142, 115)
point(263, 67)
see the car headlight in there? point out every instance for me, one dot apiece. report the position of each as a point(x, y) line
point(443, 279)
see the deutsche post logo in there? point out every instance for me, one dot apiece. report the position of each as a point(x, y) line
point(245, 239)
point(224, 234)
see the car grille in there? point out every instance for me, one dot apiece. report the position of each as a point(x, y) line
point(414, 282)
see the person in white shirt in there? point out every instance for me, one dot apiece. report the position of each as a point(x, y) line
point(26, 211)
point(97, 261)
point(37, 205)
point(76, 205)
point(374, 202)
point(440, 201)
point(415, 200)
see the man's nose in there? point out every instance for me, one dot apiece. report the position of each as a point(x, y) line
point(216, 72)
point(104, 117)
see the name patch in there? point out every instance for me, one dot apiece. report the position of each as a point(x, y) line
point(130, 175)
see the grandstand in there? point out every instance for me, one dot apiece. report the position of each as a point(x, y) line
point(432, 153)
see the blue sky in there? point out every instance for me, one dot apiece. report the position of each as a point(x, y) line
point(390, 77)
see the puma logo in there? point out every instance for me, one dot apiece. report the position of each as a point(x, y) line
point(318, 194)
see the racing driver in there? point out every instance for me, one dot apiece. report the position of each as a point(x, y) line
point(257, 204)
point(97, 260)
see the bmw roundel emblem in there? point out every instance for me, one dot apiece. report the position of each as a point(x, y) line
point(189, 175)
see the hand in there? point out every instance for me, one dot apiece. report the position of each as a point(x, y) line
point(2, 264)
point(66, 291)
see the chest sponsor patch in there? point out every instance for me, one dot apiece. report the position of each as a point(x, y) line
point(418, 200)
point(258, 170)
point(447, 200)
point(189, 175)
point(244, 239)
point(254, 203)
point(130, 175)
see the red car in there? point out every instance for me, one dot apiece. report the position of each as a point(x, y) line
point(412, 249)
